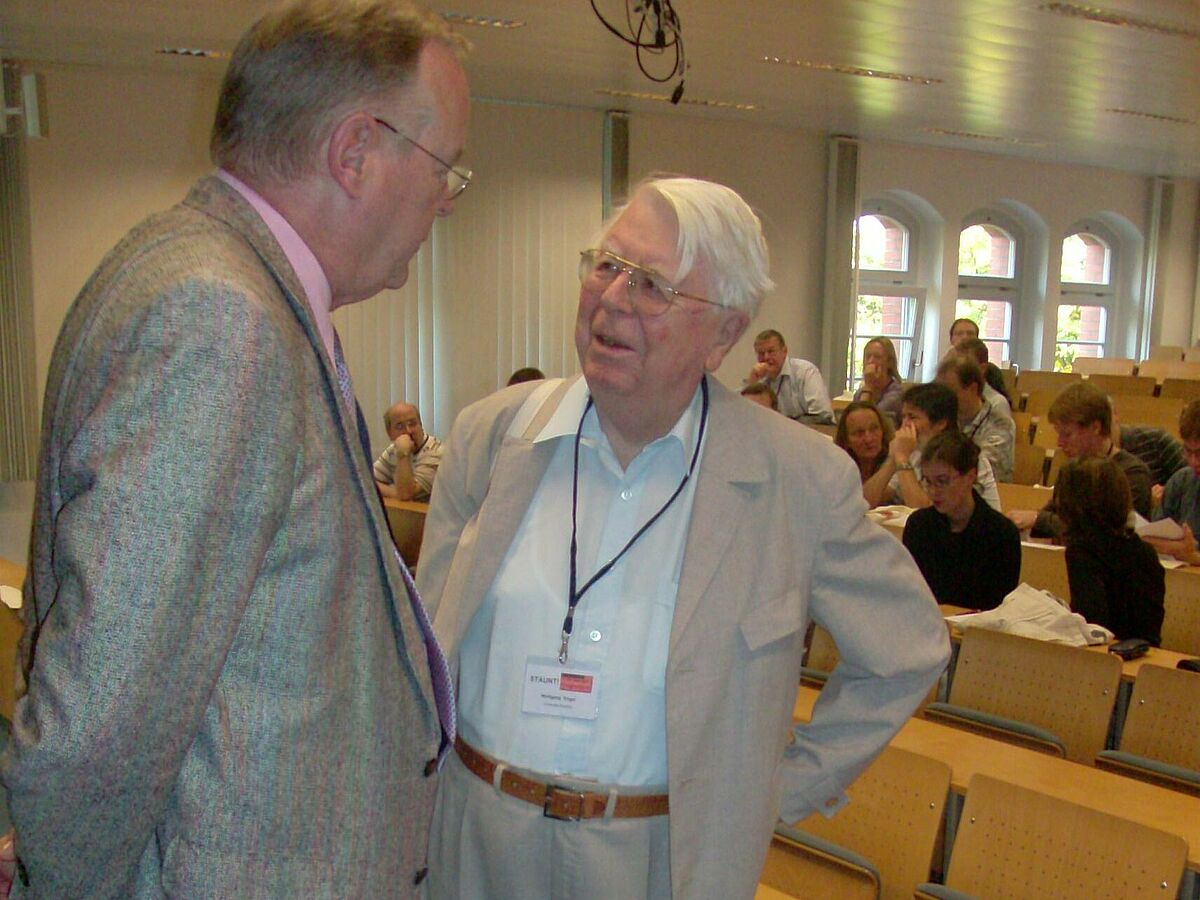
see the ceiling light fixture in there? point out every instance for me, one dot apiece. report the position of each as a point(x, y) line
point(482, 21)
point(1157, 117)
point(977, 136)
point(1120, 19)
point(850, 70)
point(687, 101)
point(193, 52)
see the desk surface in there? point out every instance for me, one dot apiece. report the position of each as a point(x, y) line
point(967, 753)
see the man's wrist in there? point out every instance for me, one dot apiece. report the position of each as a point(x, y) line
point(905, 466)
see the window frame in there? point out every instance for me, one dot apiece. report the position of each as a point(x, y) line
point(889, 283)
point(996, 288)
point(1088, 293)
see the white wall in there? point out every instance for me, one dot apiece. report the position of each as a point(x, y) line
point(781, 173)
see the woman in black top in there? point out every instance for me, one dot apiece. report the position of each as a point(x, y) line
point(969, 554)
point(1115, 577)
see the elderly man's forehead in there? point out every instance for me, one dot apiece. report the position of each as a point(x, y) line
point(625, 238)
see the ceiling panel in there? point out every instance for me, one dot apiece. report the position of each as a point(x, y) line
point(1008, 69)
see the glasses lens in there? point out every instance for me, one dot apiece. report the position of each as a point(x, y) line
point(649, 292)
point(457, 182)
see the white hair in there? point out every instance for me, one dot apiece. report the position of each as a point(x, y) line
point(718, 227)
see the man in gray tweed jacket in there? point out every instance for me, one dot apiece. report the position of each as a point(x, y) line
point(226, 690)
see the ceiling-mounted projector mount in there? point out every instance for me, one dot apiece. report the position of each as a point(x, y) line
point(652, 27)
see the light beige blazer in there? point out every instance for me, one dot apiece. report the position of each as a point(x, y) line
point(777, 537)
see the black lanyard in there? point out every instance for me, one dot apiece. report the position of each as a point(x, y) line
point(987, 416)
point(576, 595)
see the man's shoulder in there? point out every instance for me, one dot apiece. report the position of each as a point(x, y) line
point(1130, 463)
point(1182, 482)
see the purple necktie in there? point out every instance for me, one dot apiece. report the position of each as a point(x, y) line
point(439, 670)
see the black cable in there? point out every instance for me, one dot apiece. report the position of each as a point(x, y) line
point(667, 35)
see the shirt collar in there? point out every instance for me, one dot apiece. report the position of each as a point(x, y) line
point(565, 420)
point(301, 258)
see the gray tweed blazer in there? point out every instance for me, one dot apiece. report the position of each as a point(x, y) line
point(226, 692)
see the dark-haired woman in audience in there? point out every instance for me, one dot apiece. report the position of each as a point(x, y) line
point(1115, 577)
point(969, 553)
point(881, 378)
point(864, 433)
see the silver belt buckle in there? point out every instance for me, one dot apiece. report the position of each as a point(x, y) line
point(557, 798)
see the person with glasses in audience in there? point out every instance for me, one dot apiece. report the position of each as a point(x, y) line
point(969, 553)
point(230, 686)
point(624, 564)
point(800, 390)
point(990, 426)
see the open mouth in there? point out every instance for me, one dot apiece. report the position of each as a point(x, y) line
point(610, 343)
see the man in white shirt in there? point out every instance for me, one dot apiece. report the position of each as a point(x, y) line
point(406, 468)
point(626, 654)
point(799, 388)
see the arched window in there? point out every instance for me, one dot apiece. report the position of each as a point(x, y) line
point(988, 286)
point(1086, 302)
point(890, 304)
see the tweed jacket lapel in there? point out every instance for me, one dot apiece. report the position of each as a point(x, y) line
point(730, 463)
point(217, 199)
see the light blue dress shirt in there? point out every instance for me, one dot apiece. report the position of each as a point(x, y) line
point(622, 624)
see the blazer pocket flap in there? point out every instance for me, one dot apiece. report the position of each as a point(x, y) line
point(771, 621)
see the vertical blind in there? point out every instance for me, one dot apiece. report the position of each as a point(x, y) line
point(495, 286)
point(18, 425)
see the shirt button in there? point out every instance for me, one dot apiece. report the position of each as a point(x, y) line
point(431, 767)
point(626, 494)
point(595, 635)
point(420, 876)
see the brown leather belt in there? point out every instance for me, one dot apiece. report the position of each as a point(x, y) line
point(556, 801)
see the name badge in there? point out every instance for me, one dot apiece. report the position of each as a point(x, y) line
point(552, 689)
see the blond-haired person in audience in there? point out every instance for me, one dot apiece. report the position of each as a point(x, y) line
point(881, 383)
point(1179, 499)
point(1082, 418)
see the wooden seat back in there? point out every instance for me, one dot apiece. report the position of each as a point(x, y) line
point(1103, 365)
point(1013, 842)
point(1129, 385)
point(1068, 691)
point(893, 819)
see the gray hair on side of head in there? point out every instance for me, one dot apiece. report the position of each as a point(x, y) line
point(718, 227)
point(303, 66)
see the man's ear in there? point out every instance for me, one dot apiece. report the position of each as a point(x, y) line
point(347, 156)
point(733, 325)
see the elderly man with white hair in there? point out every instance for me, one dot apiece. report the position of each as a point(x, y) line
point(623, 582)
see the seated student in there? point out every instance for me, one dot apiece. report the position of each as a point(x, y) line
point(1115, 577)
point(760, 392)
point(994, 391)
point(989, 425)
point(1156, 447)
point(925, 410)
point(1082, 418)
point(527, 373)
point(969, 553)
point(881, 382)
point(1180, 498)
point(407, 466)
point(864, 432)
point(799, 388)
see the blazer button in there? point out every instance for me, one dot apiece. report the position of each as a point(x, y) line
point(431, 767)
point(420, 876)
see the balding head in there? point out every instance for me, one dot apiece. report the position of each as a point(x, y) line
point(404, 418)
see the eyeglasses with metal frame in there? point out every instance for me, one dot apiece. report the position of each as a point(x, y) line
point(457, 179)
point(650, 292)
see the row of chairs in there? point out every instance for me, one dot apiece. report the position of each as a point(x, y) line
point(1011, 842)
point(1062, 700)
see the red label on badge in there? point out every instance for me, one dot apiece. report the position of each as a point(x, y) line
point(579, 684)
